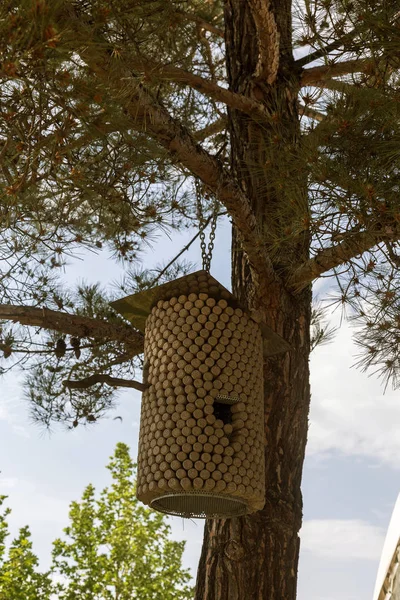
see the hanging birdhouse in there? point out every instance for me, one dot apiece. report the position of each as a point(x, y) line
point(201, 441)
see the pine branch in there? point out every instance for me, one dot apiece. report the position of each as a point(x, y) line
point(211, 129)
point(146, 113)
point(74, 325)
point(348, 38)
point(322, 73)
point(323, 52)
point(87, 382)
point(201, 22)
point(180, 143)
point(153, 71)
point(307, 111)
point(354, 243)
point(336, 85)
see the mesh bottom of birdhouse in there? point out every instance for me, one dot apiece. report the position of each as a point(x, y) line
point(201, 441)
point(200, 506)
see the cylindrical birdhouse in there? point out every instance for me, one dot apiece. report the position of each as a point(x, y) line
point(201, 441)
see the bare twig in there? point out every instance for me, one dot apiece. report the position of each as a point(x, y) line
point(309, 58)
point(395, 258)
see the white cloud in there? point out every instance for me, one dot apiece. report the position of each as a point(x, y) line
point(10, 397)
point(6, 408)
point(340, 539)
point(8, 482)
point(31, 506)
point(349, 411)
point(21, 431)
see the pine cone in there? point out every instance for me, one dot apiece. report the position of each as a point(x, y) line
point(76, 345)
point(61, 348)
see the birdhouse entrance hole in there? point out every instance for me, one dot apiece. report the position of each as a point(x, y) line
point(223, 409)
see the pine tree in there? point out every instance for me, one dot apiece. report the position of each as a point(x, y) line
point(116, 119)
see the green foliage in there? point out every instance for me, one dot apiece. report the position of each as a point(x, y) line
point(113, 549)
point(20, 578)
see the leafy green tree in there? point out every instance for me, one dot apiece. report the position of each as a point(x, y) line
point(113, 549)
point(118, 121)
point(117, 549)
point(20, 578)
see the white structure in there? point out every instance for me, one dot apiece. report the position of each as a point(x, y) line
point(387, 586)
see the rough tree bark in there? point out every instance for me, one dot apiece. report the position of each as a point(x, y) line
point(256, 557)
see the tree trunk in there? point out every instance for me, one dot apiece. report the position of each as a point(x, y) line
point(256, 557)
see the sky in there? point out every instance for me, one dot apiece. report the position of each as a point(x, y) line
point(351, 474)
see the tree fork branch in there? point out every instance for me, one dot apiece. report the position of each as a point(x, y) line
point(325, 72)
point(355, 243)
point(87, 382)
point(74, 325)
point(179, 142)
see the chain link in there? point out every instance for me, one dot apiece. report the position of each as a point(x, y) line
point(206, 253)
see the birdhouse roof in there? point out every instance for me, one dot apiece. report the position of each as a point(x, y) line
point(137, 307)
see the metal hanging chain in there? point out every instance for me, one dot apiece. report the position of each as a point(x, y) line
point(206, 252)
